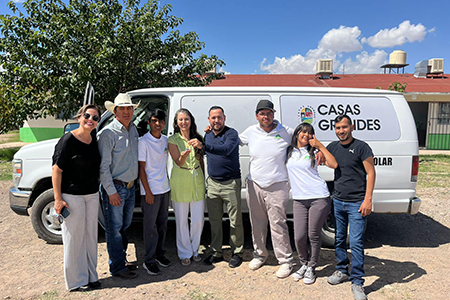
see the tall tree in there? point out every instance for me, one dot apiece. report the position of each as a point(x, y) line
point(51, 50)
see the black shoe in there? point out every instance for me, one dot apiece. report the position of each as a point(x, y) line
point(130, 266)
point(163, 261)
point(151, 268)
point(127, 274)
point(235, 261)
point(212, 260)
point(95, 285)
point(83, 288)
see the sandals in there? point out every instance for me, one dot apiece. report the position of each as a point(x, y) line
point(185, 261)
point(197, 258)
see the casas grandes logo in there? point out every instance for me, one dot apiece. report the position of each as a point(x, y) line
point(306, 114)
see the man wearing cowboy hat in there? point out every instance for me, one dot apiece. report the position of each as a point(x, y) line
point(118, 146)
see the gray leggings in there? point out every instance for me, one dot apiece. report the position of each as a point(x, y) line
point(309, 217)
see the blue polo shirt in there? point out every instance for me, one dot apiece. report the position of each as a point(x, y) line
point(222, 153)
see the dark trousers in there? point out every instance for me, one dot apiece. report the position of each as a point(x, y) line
point(309, 217)
point(155, 226)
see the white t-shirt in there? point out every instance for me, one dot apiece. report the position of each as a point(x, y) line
point(304, 179)
point(154, 152)
point(267, 153)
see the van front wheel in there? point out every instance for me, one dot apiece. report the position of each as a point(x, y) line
point(42, 218)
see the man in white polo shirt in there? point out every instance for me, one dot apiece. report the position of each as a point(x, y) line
point(155, 190)
point(268, 187)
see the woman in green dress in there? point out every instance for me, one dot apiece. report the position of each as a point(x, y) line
point(187, 183)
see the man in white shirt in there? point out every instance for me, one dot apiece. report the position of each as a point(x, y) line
point(268, 187)
point(155, 190)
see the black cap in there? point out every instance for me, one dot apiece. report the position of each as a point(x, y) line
point(264, 104)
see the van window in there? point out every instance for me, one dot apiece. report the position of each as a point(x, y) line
point(147, 104)
point(374, 118)
point(140, 113)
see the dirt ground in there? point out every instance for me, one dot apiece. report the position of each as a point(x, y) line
point(406, 258)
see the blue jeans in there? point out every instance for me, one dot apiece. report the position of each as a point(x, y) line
point(117, 220)
point(346, 214)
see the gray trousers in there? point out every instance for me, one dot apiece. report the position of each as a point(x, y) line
point(155, 226)
point(309, 217)
point(269, 205)
point(79, 233)
point(229, 193)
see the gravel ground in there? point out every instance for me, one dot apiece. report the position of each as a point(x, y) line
point(406, 258)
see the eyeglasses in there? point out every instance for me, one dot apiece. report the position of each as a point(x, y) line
point(94, 117)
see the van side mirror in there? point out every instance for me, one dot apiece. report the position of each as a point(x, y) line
point(70, 126)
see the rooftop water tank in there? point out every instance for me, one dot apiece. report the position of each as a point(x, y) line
point(397, 57)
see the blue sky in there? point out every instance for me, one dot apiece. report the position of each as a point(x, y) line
point(287, 37)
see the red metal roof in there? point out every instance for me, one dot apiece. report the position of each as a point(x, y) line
point(419, 85)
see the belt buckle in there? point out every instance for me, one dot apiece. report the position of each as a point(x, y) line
point(130, 184)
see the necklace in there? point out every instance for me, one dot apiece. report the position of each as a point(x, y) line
point(81, 138)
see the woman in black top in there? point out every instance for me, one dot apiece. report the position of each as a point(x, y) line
point(75, 175)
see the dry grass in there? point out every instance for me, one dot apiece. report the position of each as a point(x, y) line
point(10, 137)
point(434, 171)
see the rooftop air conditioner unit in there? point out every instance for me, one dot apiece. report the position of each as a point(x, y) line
point(324, 66)
point(436, 66)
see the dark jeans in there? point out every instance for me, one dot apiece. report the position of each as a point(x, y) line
point(346, 214)
point(155, 226)
point(117, 220)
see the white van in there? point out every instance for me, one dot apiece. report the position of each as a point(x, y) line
point(381, 118)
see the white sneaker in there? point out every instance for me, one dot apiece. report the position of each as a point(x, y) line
point(300, 273)
point(310, 276)
point(284, 270)
point(256, 263)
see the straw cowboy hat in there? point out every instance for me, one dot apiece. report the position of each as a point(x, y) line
point(123, 99)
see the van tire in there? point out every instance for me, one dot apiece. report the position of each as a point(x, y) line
point(41, 218)
point(328, 233)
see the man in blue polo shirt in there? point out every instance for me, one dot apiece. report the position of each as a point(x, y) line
point(224, 186)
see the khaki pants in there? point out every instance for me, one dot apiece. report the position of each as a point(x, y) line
point(229, 193)
point(79, 233)
point(268, 205)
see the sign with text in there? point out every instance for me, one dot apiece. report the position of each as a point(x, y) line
point(374, 118)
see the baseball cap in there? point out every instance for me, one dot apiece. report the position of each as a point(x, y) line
point(264, 104)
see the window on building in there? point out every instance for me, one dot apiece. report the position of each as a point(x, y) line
point(444, 114)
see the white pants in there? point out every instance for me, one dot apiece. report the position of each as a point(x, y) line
point(79, 233)
point(188, 240)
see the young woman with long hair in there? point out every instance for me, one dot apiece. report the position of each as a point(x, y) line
point(312, 201)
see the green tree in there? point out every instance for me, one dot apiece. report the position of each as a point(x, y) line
point(397, 86)
point(51, 50)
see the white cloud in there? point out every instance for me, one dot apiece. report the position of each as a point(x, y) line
point(338, 41)
point(334, 42)
point(432, 30)
point(364, 63)
point(343, 39)
point(222, 70)
point(406, 32)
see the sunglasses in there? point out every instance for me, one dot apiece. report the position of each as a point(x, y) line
point(94, 117)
